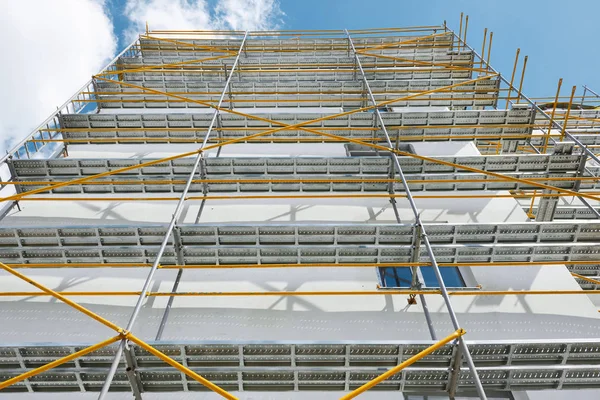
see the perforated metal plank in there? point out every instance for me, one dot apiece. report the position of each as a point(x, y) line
point(579, 119)
point(312, 183)
point(228, 167)
point(568, 212)
point(297, 244)
point(391, 73)
point(414, 125)
point(305, 56)
point(379, 86)
point(285, 366)
point(258, 47)
point(301, 60)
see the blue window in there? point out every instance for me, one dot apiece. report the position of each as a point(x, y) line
point(402, 277)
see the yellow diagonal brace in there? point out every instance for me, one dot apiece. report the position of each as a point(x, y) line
point(404, 42)
point(101, 175)
point(62, 298)
point(458, 166)
point(58, 362)
point(428, 63)
point(195, 46)
point(393, 371)
point(267, 132)
point(153, 67)
point(585, 278)
point(180, 367)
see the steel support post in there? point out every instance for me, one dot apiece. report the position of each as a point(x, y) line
point(424, 237)
point(180, 261)
point(132, 374)
point(178, 209)
point(454, 372)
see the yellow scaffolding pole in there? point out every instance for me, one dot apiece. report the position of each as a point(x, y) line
point(122, 335)
point(512, 78)
point(304, 265)
point(57, 295)
point(379, 292)
point(311, 196)
point(393, 371)
point(564, 127)
point(58, 362)
point(547, 137)
point(180, 367)
point(284, 127)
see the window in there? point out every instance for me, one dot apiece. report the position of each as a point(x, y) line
point(401, 277)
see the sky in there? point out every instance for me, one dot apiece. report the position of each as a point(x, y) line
point(52, 47)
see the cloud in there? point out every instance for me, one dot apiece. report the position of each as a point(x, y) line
point(198, 15)
point(50, 48)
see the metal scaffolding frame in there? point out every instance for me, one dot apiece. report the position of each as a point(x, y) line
point(218, 74)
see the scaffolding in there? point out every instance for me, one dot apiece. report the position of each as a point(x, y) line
point(383, 90)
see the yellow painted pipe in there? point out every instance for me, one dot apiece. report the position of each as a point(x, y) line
point(157, 353)
point(382, 292)
point(564, 127)
point(393, 371)
point(58, 362)
point(303, 265)
point(57, 295)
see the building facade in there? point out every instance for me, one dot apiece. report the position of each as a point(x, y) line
point(292, 215)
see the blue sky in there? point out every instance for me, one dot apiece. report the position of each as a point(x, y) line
point(570, 52)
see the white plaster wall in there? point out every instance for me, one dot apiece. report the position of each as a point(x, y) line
point(288, 318)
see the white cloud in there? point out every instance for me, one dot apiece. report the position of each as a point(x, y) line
point(197, 15)
point(50, 49)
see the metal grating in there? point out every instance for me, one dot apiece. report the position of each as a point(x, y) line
point(253, 184)
point(298, 166)
point(92, 126)
point(297, 244)
point(286, 366)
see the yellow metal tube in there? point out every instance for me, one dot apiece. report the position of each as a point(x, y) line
point(393, 371)
point(466, 27)
point(520, 93)
point(460, 30)
point(483, 48)
point(208, 384)
point(551, 123)
point(381, 292)
point(58, 362)
point(489, 53)
point(585, 278)
point(285, 127)
point(62, 298)
point(564, 127)
point(589, 195)
point(304, 265)
point(512, 78)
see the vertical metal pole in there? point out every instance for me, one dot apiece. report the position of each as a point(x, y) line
point(564, 128)
point(512, 78)
point(584, 93)
point(487, 61)
point(424, 237)
point(178, 209)
point(460, 30)
point(547, 137)
point(483, 48)
point(466, 26)
point(520, 91)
